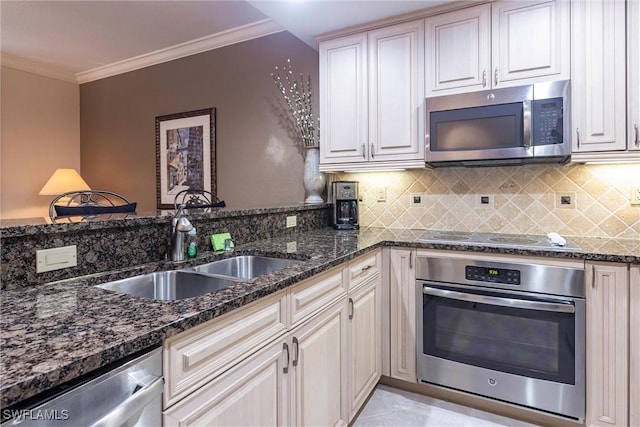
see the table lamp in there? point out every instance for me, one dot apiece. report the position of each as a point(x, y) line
point(64, 180)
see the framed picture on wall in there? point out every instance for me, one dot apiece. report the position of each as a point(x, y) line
point(185, 154)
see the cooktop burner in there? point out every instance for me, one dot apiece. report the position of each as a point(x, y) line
point(525, 241)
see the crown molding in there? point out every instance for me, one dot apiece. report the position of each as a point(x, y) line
point(214, 41)
point(37, 68)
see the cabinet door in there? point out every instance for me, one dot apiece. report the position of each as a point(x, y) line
point(319, 359)
point(598, 93)
point(633, 74)
point(254, 393)
point(365, 360)
point(396, 93)
point(530, 40)
point(343, 100)
point(607, 344)
point(402, 315)
point(634, 345)
point(458, 51)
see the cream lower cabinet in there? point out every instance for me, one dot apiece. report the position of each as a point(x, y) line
point(634, 345)
point(607, 344)
point(402, 314)
point(253, 393)
point(364, 342)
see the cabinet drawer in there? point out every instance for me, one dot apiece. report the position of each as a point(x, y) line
point(316, 293)
point(198, 355)
point(363, 268)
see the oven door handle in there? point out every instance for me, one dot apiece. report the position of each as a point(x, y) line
point(562, 307)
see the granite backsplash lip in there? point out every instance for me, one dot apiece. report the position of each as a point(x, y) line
point(55, 332)
point(29, 226)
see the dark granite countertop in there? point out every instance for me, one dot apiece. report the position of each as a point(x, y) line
point(56, 332)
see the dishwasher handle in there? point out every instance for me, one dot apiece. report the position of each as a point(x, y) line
point(134, 404)
point(561, 307)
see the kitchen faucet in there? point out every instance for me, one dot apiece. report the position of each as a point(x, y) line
point(180, 225)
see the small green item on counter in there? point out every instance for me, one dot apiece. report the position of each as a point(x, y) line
point(192, 246)
point(217, 241)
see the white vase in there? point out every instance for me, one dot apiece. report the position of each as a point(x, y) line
point(314, 180)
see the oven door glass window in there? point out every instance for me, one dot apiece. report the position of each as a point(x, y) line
point(532, 343)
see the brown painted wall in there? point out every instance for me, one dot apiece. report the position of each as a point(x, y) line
point(258, 162)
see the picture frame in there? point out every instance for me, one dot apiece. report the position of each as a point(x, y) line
point(185, 154)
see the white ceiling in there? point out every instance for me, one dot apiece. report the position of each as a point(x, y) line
point(75, 37)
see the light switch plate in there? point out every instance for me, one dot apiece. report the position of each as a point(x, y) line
point(635, 195)
point(56, 258)
point(292, 247)
point(292, 221)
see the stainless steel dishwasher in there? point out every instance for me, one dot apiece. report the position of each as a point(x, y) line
point(128, 395)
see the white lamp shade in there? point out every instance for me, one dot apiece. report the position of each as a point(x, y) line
point(64, 180)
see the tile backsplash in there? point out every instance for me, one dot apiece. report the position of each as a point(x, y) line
point(522, 199)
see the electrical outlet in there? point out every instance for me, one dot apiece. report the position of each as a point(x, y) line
point(635, 195)
point(292, 247)
point(484, 201)
point(56, 258)
point(381, 194)
point(416, 200)
point(566, 200)
point(361, 199)
point(292, 221)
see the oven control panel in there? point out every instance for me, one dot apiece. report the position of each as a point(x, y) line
point(493, 275)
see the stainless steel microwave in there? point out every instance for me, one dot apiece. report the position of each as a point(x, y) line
point(509, 126)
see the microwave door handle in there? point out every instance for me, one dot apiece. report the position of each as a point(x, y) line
point(527, 125)
point(505, 302)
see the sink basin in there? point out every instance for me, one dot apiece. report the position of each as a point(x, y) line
point(244, 267)
point(168, 285)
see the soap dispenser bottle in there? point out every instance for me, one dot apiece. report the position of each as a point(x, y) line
point(192, 246)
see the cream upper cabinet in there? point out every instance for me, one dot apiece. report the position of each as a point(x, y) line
point(598, 78)
point(633, 75)
point(458, 51)
point(530, 42)
point(607, 344)
point(402, 314)
point(501, 44)
point(343, 100)
point(372, 98)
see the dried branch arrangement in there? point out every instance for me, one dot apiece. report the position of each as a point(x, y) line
point(297, 95)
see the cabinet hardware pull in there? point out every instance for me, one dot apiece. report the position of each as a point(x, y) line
point(411, 260)
point(372, 153)
point(578, 136)
point(365, 268)
point(484, 78)
point(636, 128)
point(296, 346)
point(593, 277)
point(351, 309)
point(495, 77)
point(364, 154)
point(285, 348)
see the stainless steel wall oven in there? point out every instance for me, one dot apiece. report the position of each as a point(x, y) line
point(508, 331)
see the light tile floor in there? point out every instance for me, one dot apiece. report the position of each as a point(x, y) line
point(393, 407)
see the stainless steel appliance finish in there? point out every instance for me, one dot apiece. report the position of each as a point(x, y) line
point(129, 395)
point(500, 127)
point(509, 331)
point(522, 241)
point(344, 199)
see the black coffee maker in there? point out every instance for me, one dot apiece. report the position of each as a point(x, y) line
point(344, 212)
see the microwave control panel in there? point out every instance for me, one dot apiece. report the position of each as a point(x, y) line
point(547, 121)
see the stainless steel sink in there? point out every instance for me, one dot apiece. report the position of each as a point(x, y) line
point(244, 267)
point(169, 285)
